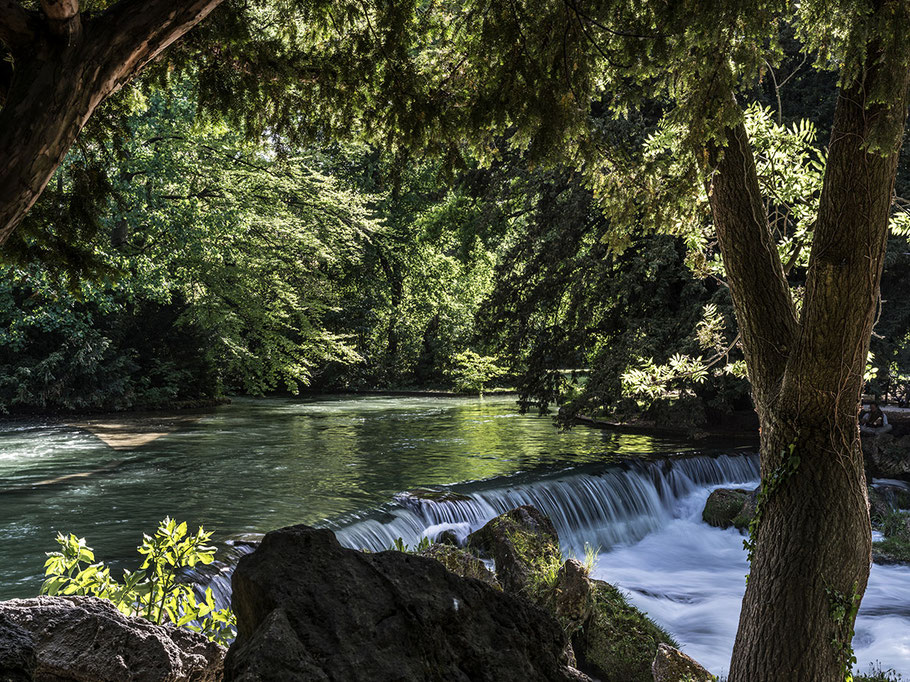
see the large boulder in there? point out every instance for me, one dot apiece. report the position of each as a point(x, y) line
point(672, 665)
point(618, 642)
point(85, 639)
point(887, 456)
point(461, 562)
point(727, 507)
point(18, 658)
point(309, 609)
point(524, 546)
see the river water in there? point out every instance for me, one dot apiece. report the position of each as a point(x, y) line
point(345, 463)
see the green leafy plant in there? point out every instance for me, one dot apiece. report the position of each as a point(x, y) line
point(399, 545)
point(154, 591)
point(471, 372)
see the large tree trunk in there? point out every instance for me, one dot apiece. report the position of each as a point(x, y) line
point(811, 547)
point(64, 66)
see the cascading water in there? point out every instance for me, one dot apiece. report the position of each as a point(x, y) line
point(645, 517)
point(599, 506)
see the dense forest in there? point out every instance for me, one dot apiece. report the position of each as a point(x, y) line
point(174, 261)
point(626, 210)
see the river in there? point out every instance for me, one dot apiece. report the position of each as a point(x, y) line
point(343, 462)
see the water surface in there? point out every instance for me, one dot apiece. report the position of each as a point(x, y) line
point(256, 465)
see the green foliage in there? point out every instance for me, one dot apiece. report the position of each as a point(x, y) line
point(472, 372)
point(878, 674)
point(399, 545)
point(843, 609)
point(154, 591)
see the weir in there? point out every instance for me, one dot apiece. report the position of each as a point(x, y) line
point(595, 505)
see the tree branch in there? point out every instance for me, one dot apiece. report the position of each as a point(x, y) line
point(137, 31)
point(63, 17)
point(764, 310)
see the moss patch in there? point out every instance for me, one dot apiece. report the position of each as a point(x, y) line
point(460, 562)
point(725, 507)
point(618, 643)
point(891, 551)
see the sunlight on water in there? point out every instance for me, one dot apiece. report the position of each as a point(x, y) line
point(257, 465)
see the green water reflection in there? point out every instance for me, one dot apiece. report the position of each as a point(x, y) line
point(256, 465)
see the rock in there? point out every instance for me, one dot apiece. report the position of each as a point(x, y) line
point(524, 545)
point(724, 506)
point(891, 551)
point(420, 497)
point(309, 609)
point(461, 562)
point(890, 494)
point(573, 595)
point(85, 639)
point(879, 507)
point(887, 456)
point(18, 659)
point(448, 537)
point(618, 642)
point(672, 665)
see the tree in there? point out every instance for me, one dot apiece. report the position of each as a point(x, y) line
point(61, 64)
point(535, 69)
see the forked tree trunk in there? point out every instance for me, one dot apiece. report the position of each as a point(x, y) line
point(64, 66)
point(811, 551)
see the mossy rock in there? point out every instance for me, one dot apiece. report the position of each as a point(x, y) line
point(461, 563)
point(672, 665)
point(727, 507)
point(525, 547)
point(618, 642)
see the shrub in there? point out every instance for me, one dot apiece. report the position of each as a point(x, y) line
point(154, 591)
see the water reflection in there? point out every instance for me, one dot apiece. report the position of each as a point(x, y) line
point(256, 465)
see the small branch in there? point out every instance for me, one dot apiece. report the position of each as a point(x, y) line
point(63, 18)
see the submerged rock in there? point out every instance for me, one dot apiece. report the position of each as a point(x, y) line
point(309, 609)
point(618, 642)
point(85, 639)
point(524, 546)
point(418, 497)
point(461, 562)
point(672, 665)
point(727, 507)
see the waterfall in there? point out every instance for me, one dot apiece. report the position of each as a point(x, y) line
point(601, 506)
point(597, 505)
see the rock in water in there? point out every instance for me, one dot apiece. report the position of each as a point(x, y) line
point(85, 639)
point(523, 543)
point(672, 665)
point(309, 609)
point(887, 456)
point(729, 507)
point(573, 595)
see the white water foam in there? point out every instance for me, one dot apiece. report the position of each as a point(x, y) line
point(690, 578)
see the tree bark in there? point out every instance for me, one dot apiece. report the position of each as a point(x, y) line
point(811, 547)
point(64, 66)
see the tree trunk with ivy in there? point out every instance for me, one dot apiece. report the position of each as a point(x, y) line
point(810, 547)
point(64, 65)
